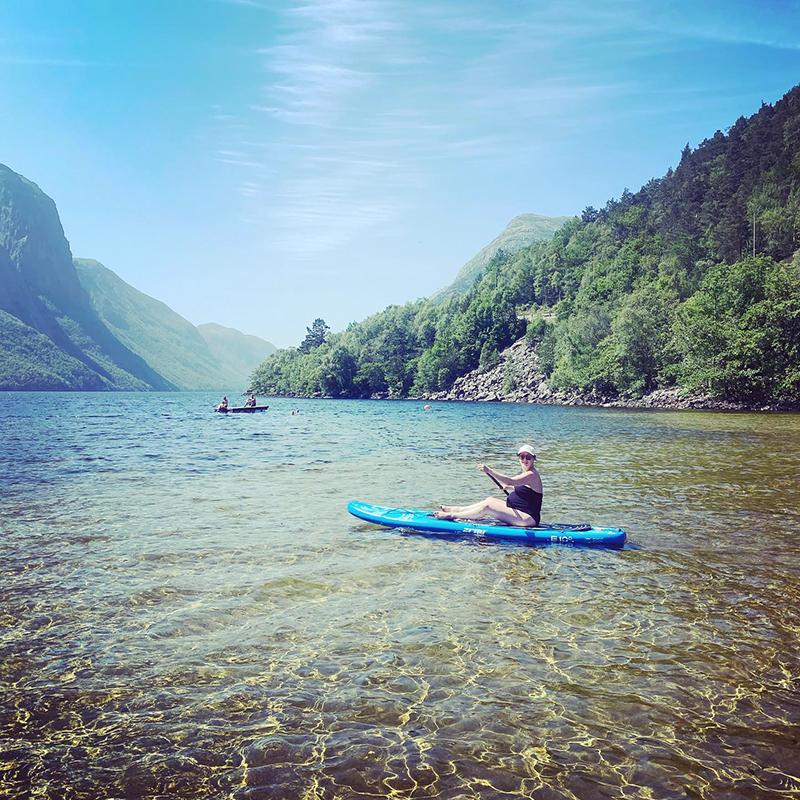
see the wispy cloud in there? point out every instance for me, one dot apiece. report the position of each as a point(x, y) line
point(339, 173)
point(239, 162)
point(251, 3)
point(361, 99)
point(740, 38)
point(313, 86)
point(347, 22)
point(715, 21)
point(335, 200)
point(250, 189)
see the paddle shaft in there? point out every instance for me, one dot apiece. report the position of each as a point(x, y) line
point(498, 483)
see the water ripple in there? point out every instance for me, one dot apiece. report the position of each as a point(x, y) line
point(187, 610)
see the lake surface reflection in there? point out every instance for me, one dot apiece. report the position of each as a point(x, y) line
point(187, 609)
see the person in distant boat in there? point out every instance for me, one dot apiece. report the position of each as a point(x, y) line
point(522, 507)
point(251, 401)
point(223, 406)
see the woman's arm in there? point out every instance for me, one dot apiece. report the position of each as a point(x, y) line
point(518, 480)
point(523, 479)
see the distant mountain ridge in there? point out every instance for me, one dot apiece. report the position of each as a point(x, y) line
point(74, 325)
point(178, 350)
point(522, 231)
point(242, 352)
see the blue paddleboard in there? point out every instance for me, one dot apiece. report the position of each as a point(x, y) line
point(546, 533)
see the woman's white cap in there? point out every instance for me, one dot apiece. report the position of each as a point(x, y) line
point(526, 448)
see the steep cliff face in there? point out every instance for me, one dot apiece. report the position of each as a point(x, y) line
point(23, 278)
point(32, 236)
point(40, 287)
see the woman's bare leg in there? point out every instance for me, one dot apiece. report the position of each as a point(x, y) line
point(463, 512)
point(455, 509)
point(489, 507)
point(472, 511)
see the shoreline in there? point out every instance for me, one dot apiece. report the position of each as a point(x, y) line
point(517, 377)
point(652, 402)
point(660, 400)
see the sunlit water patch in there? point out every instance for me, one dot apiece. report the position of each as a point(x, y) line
point(187, 610)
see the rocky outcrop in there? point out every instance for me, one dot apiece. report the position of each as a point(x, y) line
point(518, 378)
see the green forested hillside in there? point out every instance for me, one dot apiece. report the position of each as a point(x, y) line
point(29, 358)
point(692, 282)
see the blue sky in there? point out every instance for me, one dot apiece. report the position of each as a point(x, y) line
point(261, 163)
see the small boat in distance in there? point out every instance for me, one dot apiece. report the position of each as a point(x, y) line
point(240, 409)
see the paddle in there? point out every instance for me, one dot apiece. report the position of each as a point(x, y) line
point(498, 483)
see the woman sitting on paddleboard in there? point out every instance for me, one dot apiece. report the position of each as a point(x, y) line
point(523, 506)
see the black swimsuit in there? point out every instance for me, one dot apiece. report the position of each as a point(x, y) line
point(523, 498)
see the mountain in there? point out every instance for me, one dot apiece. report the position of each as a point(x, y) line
point(72, 324)
point(174, 347)
point(241, 352)
point(523, 230)
point(39, 287)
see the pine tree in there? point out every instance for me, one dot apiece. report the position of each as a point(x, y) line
point(315, 335)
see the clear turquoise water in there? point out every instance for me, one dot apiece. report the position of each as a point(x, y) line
point(187, 609)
